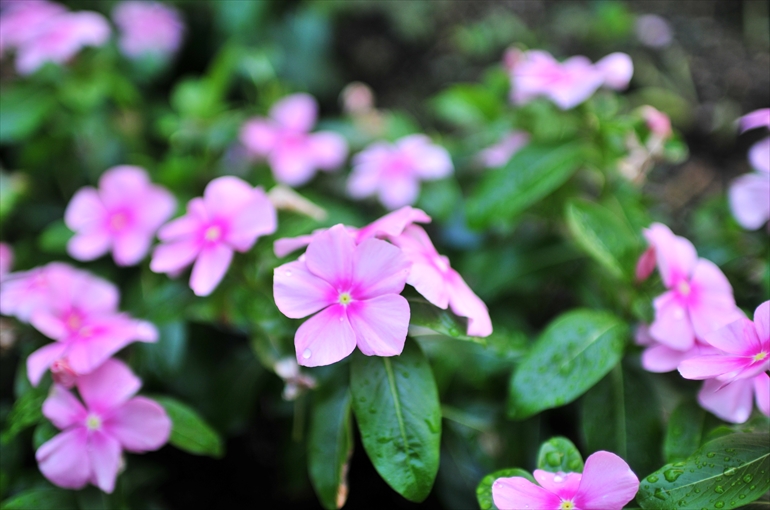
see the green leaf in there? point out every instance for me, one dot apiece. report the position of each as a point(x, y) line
point(467, 105)
point(26, 411)
point(559, 454)
point(55, 237)
point(604, 236)
point(442, 322)
point(532, 174)
point(43, 432)
point(396, 404)
point(189, 432)
point(729, 471)
point(330, 444)
point(41, 497)
point(574, 352)
point(484, 489)
point(24, 111)
point(684, 432)
point(12, 189)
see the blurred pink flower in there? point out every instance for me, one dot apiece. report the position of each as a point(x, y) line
point(616, 69)
point(744, 350)
point(394, 171)
point(356, 289)
point(756, 119)
point(699, 299)
point(61, 38)
point(733, 402)
point(653, 31)
point(293, 153)
point(95, 434)
point(231, 215)
point(6, 260)
point(500, 153)
point(659, 358)
point(22, 20)
point(749, 194)
point(658, 122)
point(433, 277)
point(607, 483)
point(148, 28)
point(81, 316)
point(122, 215)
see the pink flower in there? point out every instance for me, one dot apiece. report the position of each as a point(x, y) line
point(61, 38)
point(95, 434)
point(356, 289)
point(756, 119)
point(433, 277)
point(122, 216)
point(733, 402)
point(81, 316)
point(750, 194)
point(230, 216)
point(607, 483)
point(394, 171)
point(6, 259)
point(293, 153)
point(658, 122)
point(659, 358)
point(617, 70)
point(653, 31)
point(500, 153)
point(744, 350)
point(148, 28)
point(21, 21)
point(699, 299)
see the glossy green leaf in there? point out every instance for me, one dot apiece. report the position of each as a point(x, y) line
point(484, 489)
point(559, 454)
point(189, 432)
point(24, 111)
point(684, 432)
point(604, 236)
point(330, 444)
point(466, 105)
point(396, 405)
point(26, 411)
point(574, 352)
point(55, 237)
point(39, 498)
point(532, 174)
point(441, 322)
point(727, 472)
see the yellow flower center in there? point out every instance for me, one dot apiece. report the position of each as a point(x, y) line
point(345, 298)
point(93, 422)
point(74, 322)
point(684, 288)
point(566, 505)
point(759, 357)
point(213, 233)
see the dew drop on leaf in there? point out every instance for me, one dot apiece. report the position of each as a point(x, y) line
point(652, 478)
point(719, 489)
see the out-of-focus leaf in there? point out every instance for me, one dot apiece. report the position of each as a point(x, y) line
point(442, 322)
point(189, 432)
point(330, 443)
point(484, 489)
point(26, 411)
point(533, 173)
point(574, 352)
point(23, 111)
point(12, 187)
point(396, 404)
point(559, 454)
point(55, 237)
point(467, 105)
point(43, 432)
point(727, 472)
point(41, 497)
point(602, 235)
point(684, 432)
point(165, 357)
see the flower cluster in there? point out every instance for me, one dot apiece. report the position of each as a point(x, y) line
point(750, 194)
point(536, 73)
point(699, 329)
point(354, 278)
point(148, 28)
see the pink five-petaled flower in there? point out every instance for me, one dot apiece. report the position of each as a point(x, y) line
point(355, 287)
point(293, 153)
point(94, 436)
point(749, 194)
point(122, 215)
point(434, 278)
point(148, 28)
point(733, 402)
point(81, 316)
point(699, 299)
point(500, 153)
point(21, 21)
point(607, 483)
point(394, 171)
point(25, 292)
point(659, 358)
point(745, 347)
point(230, 216)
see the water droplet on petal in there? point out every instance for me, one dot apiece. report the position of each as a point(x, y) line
point(558, 479)
point(288, 273)
point(306, 353)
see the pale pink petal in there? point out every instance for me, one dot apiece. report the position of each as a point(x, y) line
point(173, 257)
point(646, 264)
point(398, 190)
point(617, 69)
point(93, 294)
point(500, 153)
point(299, 293)
point(759, 157)
point(672, 323)
point(380, 324)
point(259, 136)
point(564, 485)
point(187, 225)
point(676, 255)
point(85, 210)
point(465, 303)
point(328, 149)
point(708, 367)
point(578, 82)
point(607, 484)
point(48, 324)
point(225, 196)
point(89, 245)
point(297, 112)
point(330, 256)
point(39, 361)
point(378, 268)
point(732, 402)
point(762, 393)
point(104, 453)
point(109, 386)
point(429, 282)
point(749, 197)
point(738, 337)
point(393, 224)
point(110, 334)
point(429, 161)
point(62, 408)
point(707, 276)
point(155, 207)
point(139, 425)
point(660, 358)
point(430, 271)
point(755, 119)
point(363, 181)
point(64, 459)
point(130, 247)
point(257, 218)
point(210, 268)
point(762, 322)
point(518, 493)
point(325, 338)
point(122, 181)
point(713, 311)
point(148, 28)
point(642, 335)
point(293, 166)
point(286, 245)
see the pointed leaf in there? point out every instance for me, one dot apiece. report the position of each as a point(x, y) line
point(41, 497)
point(484, 489)
point(26, 411)
point(684, 432)
point(441, 322)
point(559, 454)
point(189, 432)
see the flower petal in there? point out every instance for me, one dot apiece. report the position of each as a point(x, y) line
point(465, 303)
point(762, 322)
point(759, 156)
point(111, 334)
point(64, 459)
point(39, 361)
point(292, 165)
point(140, 425)
point(297, 112)
point(131, 246)
point(257, 218)
point(762, 393)
point(120, 182)
point(564, 485)
point(258, 135)
point(607, 484)
point(749, 200)
point(85, 210)
point(89, 245)
point(328, 149)
point(660, 358)
point(210, 268)
point(393, 224)
point(63, 408)
point(378, 268)
point(380, 324)
point(226, 196)
point(676, 255)
point(330, 256)
point(187, 225)
point(104, 453)
point(286, 245)
point(738, 337)
point(325, 338)
point(109, 386)
point(708, 367)
point(732, 402)
point(672, 323)
point(398, 190)
point(173, 257)
point(299, 293)
point(518, 493)
point(617, 69)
